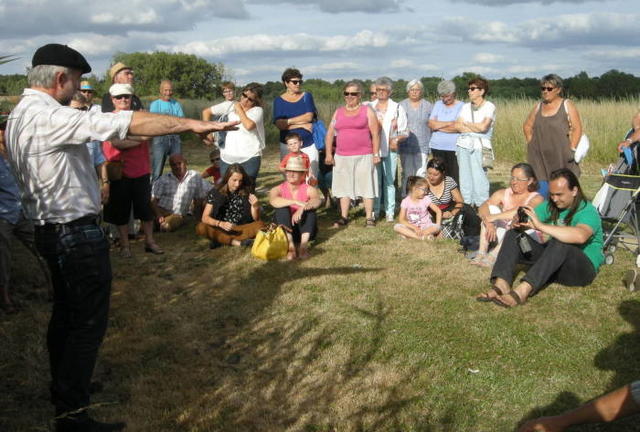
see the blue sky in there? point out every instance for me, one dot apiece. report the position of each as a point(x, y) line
point(331, 39)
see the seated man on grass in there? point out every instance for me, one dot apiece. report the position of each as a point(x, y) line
point(571, 256)
point(173, 194)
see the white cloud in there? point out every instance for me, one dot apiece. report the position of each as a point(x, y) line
point(516, 2)
point(487, 58)
point(341, 6)
point(612, 54)
point(401, 63)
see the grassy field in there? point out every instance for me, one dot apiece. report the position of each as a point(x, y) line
point(373, 333)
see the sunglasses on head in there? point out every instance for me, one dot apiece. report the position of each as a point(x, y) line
point(122, 97)
point(295, 81)
point(351, 93)
point(546, 88)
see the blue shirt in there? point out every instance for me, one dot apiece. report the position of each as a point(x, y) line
point(171, 107)
point(10, 205)
point(286, 110)
point(444, 140)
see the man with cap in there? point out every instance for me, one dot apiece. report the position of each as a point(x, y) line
point(167, 145)
point(46, 147)
point(121, 74)
point(88, 92)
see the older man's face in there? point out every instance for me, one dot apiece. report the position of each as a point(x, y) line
point(178, 166)
point(166, 91)
point(125, 76)
point(65, 92)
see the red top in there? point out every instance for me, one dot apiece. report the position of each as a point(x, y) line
point(135, 160)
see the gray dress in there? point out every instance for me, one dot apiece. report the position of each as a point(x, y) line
point(417, 142)
point(549, 148)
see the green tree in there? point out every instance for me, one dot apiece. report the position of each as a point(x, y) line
point(192, 76)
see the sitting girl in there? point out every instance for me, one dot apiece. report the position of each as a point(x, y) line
point(232, 213)
point(415, 220)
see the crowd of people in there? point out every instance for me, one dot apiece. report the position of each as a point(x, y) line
point(67, 161)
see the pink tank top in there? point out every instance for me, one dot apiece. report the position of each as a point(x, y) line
point(135, 160)
point(507, 200)
point(353, 135)
point(301, 195)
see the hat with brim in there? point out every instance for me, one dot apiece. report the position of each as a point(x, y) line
point(113, 71)
point(86, 85)
point(60, 55)
point(295, 164)
point(120, 89)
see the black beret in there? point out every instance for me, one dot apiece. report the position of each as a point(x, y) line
point(60, 55)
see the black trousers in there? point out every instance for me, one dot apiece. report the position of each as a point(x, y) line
point(78, 259)
point(553, 261)
point(307, 224)
point(450, 163)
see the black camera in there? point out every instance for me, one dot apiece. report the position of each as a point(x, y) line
point(523, 217)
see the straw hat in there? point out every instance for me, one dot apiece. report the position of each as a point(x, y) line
point(117, 68)
point(295, 163)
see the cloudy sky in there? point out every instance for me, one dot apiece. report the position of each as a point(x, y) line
point(330, 39)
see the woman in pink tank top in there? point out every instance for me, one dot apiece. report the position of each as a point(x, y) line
point(357, 132)
point(499, 210)
point(295, 203)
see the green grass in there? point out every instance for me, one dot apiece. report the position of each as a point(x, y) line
point(372, 333)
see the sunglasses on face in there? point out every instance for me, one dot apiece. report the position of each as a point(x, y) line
point(214, 160)
point(244, 95)
point(546, 88)
point(351, 93)
point(295, 81)
point(122, 97)
point(473, 88)
point(86, 91)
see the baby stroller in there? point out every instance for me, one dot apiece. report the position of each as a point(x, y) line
point(618, 204)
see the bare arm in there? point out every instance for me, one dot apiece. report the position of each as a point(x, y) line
point(148, 124)
point(255, 207)
point(482, 127)
point(206, 114)
point(527, 127)
point(328, 141)
point(612, 406)
point(635, 135)
point(576, 125)
point(276, 201)
point(315, 200)
point(578, 234)
point(459, 203)
point(294, 122)
point(244, 119)
point(434, 208)
point(442, 126)
point(125, 143)
point(374, 130)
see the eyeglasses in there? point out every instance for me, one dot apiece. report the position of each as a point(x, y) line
point(474, 88)
point(546, 88)
point(244, 95)
point(423, 189)
point(227, 91)
point(351, 93)
point(295, 81)
point(122, 97)
point(519, 179)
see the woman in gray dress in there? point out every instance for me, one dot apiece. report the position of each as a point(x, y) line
point(414, 151)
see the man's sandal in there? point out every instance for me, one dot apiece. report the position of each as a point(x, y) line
point(486, 297)
point(514, 295)
point(342, 222)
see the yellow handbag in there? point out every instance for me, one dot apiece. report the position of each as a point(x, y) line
point(271, 243)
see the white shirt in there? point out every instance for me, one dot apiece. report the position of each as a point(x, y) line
point(477, 140)
point(241, 145)
point(394, 114)
point(46, 145)
point(177, 196)
point(222, 108)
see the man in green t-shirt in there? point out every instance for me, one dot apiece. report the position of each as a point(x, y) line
point(571, 255)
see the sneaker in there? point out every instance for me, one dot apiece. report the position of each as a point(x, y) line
point(630, 278)
point(390, 218)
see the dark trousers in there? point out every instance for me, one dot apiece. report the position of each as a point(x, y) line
point(450, 163)
point(251, 167)
point(553, 261)
point(78, 259)
point(307, 224)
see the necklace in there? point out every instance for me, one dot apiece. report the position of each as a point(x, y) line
point(346, 107)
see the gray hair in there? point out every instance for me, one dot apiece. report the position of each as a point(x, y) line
point(552, 79)
point(385, 82)
point(353, 84)
point(413, 83)
point(43, 75)
point(446, 87)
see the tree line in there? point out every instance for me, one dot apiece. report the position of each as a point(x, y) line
point(195, 78)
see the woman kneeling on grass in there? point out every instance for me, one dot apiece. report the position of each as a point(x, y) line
point(295, 203)
point(232, 213)
point(415, 220)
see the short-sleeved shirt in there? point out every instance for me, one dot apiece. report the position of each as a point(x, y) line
point(285, 110)
point(419, 133)
point(444, 140)
point(234, 208)
point(444, 200)
point(243, 144)
point(585, 215)
point(171, 107)
point(177, 195)
point(417, 212)
point(135, 160)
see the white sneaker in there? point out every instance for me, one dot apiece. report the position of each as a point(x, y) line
point(630, 278)
point(390, 218)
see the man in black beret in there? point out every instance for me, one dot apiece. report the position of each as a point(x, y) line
point(60, 192)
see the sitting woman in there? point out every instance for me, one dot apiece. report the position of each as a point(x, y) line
point(295, 203)
point(415, 220)
point(232, 213)
point(498, 211)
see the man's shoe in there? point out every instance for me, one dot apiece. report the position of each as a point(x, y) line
point(87, 425)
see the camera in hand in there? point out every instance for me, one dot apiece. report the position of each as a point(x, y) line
point(523, 217)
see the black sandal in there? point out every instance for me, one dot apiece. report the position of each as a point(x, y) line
point(342, 222)
point(484, 297)
point(514, 295)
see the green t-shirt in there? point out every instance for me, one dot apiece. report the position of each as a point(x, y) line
point(586, 215)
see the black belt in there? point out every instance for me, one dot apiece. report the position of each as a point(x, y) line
point(84, 220)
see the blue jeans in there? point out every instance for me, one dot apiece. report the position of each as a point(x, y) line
point(386, 181)
point(474, 184)
point(162, 147)
point(78, 260)
point(251, 167)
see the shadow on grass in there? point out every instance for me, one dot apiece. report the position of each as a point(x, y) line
point(621, 357)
